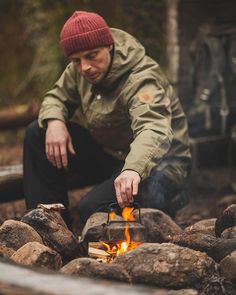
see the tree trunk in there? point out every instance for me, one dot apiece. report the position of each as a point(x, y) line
point(172, 45)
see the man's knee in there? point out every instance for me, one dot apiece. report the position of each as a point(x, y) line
point(158, 191)
point(84, 210)
point(33, 132)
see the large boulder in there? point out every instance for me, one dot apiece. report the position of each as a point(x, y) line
point(205, 226)
point(88, 267)
point(215, 248)
point(95, 227)
point(229, 233)
point(226, 220)
point(14, 234)
point(228, 267)
point(159, 226)
point(36, 254)
point(195, 241)
point(54, 232)
point(167, 265)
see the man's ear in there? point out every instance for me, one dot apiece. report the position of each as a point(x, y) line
point(110, 47)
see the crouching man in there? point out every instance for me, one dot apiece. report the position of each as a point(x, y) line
point(113, 118)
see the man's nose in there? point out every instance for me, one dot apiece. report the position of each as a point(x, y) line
point(85, 66)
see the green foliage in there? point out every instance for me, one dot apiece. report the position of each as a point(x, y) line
point(31, 57)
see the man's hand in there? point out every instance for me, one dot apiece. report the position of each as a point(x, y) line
point(126, 186)
point(57, 143)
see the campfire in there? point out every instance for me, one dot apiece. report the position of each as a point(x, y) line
point(107, 250)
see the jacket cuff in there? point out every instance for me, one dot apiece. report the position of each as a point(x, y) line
point(142, 171)
point(42, 120)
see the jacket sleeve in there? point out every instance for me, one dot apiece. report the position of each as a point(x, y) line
point(60, 102)
point(150, 114)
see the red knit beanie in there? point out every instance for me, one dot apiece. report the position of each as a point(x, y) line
point(84, 31)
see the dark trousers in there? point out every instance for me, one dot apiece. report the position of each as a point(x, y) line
point(44, 183)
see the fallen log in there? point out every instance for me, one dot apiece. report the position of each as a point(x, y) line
point(18, 116)
point(22, 280)
point(11, 182)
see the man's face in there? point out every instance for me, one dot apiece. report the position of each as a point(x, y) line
point(93, 64)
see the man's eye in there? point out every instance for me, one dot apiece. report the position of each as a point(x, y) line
point(92, 55)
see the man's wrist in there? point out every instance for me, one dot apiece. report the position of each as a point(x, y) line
point(52, 121)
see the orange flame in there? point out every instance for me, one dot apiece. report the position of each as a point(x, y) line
point(127, 214)
point(127, 244)
point(112, 215)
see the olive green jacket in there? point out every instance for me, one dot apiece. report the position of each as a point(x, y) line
point(133, 113)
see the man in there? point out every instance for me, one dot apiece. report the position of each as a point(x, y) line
point(114, 118)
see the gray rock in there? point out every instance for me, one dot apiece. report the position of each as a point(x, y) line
point(215, 248)
point(36, 254)
point(167, 265)
point(94, 229)
point(91, 268)
point(159, 226)
point(228, 267)
point(195, 241)
point(205, 226)
point(229, 233)
point(54, 232)
point(14, 234)
point(226, 220)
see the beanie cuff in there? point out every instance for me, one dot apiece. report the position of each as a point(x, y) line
point(86, 41)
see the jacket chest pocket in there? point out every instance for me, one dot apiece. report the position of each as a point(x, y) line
point(102, 115)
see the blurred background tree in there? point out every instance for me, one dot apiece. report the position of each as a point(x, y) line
point(31, 57)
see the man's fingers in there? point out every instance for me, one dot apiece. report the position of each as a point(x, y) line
point(47, 151)
point(70, 147)
point(124, 192)
point(120, 201)
point(129, 192)
point(51, 157)
point(126, 186)
point(118, 193)
point(63, 153)
point(57, 156)
point(135, 187)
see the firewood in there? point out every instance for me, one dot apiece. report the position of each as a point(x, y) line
point(97, 253)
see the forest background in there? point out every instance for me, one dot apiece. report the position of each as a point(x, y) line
point(30, 55)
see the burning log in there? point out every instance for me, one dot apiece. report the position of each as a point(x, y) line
point(96, 250)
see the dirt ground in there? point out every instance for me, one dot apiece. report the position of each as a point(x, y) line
point(209, 193)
